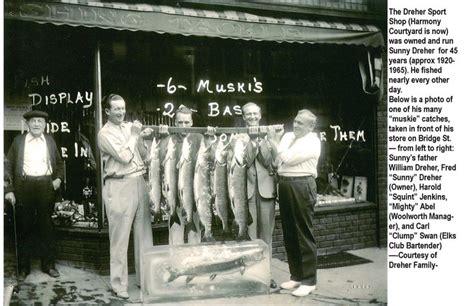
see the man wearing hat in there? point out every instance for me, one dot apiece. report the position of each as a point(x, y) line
point(36, 169)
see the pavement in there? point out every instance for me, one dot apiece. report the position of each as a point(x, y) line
point(363, 284)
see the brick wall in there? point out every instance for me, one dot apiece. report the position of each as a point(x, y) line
point(87, 249)
point(382, 161)
point(337, 228)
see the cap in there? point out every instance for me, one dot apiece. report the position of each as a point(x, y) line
point(35, 114)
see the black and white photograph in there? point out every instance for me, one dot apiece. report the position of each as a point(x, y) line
point(195, 152)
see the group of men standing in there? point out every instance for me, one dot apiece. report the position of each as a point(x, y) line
point(290, 159)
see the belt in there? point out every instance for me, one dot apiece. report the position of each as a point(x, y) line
point(36, 178)
point(119, 177)
point(293, 178)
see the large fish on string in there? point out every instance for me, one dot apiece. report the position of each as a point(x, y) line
point(154, 178)
point(237, 182)
point(203, 194)
point(221, 191)
point(170, 183)
point(186, 166)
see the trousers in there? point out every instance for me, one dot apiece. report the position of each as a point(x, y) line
point(126, 203)
point(34, 228)
point(297, 197)
point(263, 215)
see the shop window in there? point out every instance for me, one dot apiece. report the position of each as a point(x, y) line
point(324, 79)
point(49, 75)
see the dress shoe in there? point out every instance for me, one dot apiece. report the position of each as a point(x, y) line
point(303, 290)
point(273, 284)
point(122, 294)
point(53, 273)
point(289, 285)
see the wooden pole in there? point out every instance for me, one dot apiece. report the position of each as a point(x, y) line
point(219, 130)
point(98, 125)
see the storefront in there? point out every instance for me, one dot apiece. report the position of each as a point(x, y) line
point(62, 57)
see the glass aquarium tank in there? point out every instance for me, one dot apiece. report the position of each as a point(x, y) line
point(206, 270)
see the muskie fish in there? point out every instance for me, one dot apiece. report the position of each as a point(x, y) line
point(237, 182)
point(170, 183)
point(203, 186)
point(224, 264)
point(221, 191)
point(154, 179)
point(186, 165)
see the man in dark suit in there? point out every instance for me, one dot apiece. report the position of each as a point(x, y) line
point(36, 169)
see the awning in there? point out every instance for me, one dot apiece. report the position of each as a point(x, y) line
point(173, 20)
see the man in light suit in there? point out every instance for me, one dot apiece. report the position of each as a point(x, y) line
point(261, 183)
point(124, 191)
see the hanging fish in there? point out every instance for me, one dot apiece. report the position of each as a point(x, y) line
point(186, 165)
point(203, 186)
point(237, 181)
point(155, 178)
point(170, 183)
point(221, 191)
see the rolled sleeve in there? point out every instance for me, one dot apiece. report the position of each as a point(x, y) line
point(142, 149)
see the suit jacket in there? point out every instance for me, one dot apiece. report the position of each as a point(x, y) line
point(16, 154)
point(260, 172)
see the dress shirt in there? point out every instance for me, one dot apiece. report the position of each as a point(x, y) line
point(117, 152)
point(299, 156)
point(36, 161)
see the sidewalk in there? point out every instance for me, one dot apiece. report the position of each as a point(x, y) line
point(357, 285)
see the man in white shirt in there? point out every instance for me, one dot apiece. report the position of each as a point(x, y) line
point(296, 157)
point(37, 171)
point(124, 192)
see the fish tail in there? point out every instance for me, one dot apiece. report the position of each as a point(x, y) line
point(170, 274)
point(190, 227)
point(227, 234)
point(220, 221)
point(174, 219)
point(243, 234)
point(208, 238)
point(242, 269)
point(249, 219)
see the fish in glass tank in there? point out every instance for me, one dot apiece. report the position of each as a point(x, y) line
point(224, 264)
point(206, 270)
